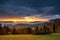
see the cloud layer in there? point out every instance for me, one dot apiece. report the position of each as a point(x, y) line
point(20, 8)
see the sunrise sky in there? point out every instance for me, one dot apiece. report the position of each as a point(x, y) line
point(27, 19)
point(29, 10)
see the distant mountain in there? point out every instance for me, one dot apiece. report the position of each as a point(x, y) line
point(25, 25)
point(21, 26)
point(55, 20)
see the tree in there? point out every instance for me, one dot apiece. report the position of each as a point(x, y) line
point(54, 27)
point(14, 30)
point(1, 29)
point(5, 30)
point(29, 30)
point(37, 31)
point(46, 30)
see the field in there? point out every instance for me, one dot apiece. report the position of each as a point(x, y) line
point(54, 36)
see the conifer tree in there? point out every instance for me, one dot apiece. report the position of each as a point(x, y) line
point(54, 27)
point(29, 29)
point(0, 29)
point(14, 30)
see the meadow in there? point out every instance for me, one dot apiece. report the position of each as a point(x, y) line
point(54, 36)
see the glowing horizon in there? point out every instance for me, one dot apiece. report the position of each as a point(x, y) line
point(27, 19)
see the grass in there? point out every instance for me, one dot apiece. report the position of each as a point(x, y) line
point(54, 36)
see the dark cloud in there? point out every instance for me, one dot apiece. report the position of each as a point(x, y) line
point(17, 8)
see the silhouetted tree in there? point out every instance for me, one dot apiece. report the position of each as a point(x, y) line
point(29, 30)
point(46, 30)
point(14, 30)
point(54, 27)
point(5, 30)
point(1, 29)
point(36, 31)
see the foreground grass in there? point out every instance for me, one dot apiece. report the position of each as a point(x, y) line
point(55, 36)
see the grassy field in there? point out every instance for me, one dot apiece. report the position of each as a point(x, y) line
point(55, 36)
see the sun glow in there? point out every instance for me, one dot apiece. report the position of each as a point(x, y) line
point(27, 19)
point(31, 19)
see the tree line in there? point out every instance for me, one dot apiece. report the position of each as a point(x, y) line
point(45, 29)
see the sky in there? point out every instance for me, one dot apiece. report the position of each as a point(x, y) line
point(49, 9)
